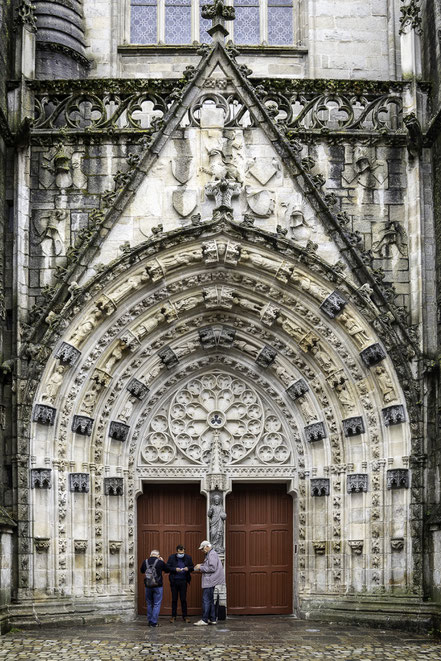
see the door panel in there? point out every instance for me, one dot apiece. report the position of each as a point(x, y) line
point(259, 549)
point(168, 515)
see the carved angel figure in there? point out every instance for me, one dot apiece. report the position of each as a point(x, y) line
point(170, 262)
point(129, 285)
point(266, 263)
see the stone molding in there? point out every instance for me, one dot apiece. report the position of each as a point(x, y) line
point(297, 389)
point(319, 548)
point(115, 547)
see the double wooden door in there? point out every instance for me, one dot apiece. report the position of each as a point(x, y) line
point(259, 546)
point(168, 515)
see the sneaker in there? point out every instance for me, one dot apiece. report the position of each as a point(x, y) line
point(200, 623)
point(172, 619)
point(215, 622)
point(154, 624)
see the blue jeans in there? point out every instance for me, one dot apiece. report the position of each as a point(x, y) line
point(208, 605)
point(153, 598)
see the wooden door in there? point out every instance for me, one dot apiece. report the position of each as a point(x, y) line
point(259, 549)
point(168, 515)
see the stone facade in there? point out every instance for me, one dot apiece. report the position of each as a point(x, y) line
point(224, 271)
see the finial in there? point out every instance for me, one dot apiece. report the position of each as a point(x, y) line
point(219, 12)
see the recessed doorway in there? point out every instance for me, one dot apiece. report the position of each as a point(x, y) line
point(168, 515)
point(259, 550)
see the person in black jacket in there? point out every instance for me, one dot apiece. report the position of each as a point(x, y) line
point(181, 566)
point(153, 595)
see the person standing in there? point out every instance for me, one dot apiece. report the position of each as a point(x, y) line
point(212, 574)
point(181, 566)
point(153, 567)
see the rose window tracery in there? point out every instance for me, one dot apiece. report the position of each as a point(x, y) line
point(221, 408)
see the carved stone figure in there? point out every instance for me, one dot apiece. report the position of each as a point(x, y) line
point(53, 384)
point(115, 357)
point(246, 347)
point(189, 302)
point(260, 261)
point(150, 324)
point(127, 411)
point(174, 261)
point(223, 191)
point(385, 383)
point(393, 234)
point(306, 409)
point(217, 516)
point(90, 397)
point(247, 303)
point(296, 332)
point(324, 359)
point(355, 330)
point(309, 286)
point(186, 348)
point(84, 329)
point(344, 397)
point(131, 284)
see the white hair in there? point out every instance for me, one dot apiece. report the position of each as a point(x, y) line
point(155, 552)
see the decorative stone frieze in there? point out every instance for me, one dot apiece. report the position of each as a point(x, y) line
point(373, 354)
point(114, 547)
point(333, 304)
point(118, 430)
point(79, 482)
point(398, 478)
point(315, 432)
point(41, 478)
point(319, 548)
point(82, 424)
point(266, 356)
point(137, 388)
point(356, 546)
point(297, 389)
point(67, 354)
point(113, 486)
point(80, 545)
point(353, 426)
point(357, 482)
point(226, 337)
point(42, 544)
point(397, 544)
point(319, 486)
point(168, 357)
point(44, 414)
point(393, 415)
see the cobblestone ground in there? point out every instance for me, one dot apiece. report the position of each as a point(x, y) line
point(236, 639)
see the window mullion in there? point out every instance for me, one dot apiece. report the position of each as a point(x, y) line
point(195, 25)
point(263, 21)
point(161, 21)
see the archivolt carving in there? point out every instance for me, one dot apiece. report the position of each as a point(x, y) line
point(216, 405)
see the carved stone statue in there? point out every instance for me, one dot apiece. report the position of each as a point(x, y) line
point(53, 385)
point(129, 285)
point(84, 329)
point(217, 516)
point(114, 357)
point(309, 286)
point(355, 330)
point(324, 359)
point(265, 263)
point(247, 303)
point(306, 409)
point(385, 383)
point(170, 262)
point(296, 332)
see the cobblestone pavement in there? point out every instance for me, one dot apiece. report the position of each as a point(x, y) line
point(236, 639)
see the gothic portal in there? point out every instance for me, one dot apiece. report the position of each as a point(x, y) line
point(223, 285)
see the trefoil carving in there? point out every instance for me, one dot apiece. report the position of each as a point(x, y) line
point(79, 482)
point(319, 486)
point(357, 482)
point(113, 486)
point(82, 424)
point(398, 478)
point(44, 414)
point(41, 478)
point(353, 426)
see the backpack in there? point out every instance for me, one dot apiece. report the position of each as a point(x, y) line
point(152, 578)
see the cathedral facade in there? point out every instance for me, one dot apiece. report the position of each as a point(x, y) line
point(219, 309)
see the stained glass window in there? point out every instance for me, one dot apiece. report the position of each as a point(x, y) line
point(280, 22)
point(247, 23)
point(143, 22)
point(177, 21)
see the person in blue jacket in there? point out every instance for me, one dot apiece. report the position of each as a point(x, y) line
point(180, 565)
point(153, 595)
